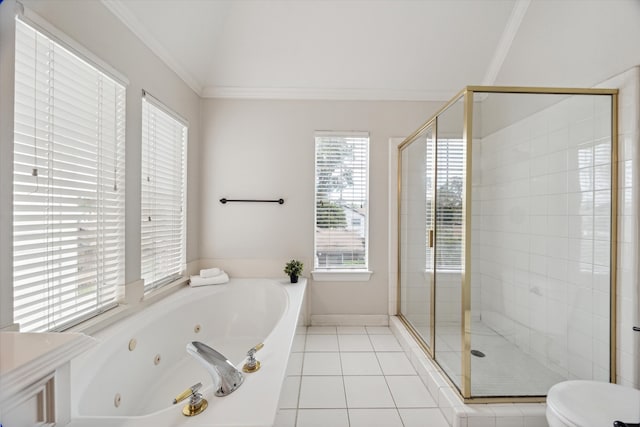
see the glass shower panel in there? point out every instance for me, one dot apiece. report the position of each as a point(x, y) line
point(416, 225)
point(449, 235)
point(517, 292)
point(541, 241)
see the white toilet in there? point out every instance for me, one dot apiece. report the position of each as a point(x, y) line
point(591, 404)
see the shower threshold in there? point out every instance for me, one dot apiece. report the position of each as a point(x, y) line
point(456, 412)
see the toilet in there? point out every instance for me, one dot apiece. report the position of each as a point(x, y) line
point(591, 404)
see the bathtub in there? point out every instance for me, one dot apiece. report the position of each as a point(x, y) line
point(140, 364)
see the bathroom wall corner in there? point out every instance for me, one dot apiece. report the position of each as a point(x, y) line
point(628, 286)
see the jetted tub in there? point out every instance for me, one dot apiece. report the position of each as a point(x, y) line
point(140, 364)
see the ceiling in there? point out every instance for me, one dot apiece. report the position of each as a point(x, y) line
point(384, 49)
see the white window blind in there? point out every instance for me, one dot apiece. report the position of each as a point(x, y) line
point(68, 203)
point(341, 213)
point(449, 185)
point(164, 139)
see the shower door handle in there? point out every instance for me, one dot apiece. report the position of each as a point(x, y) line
point(431, 238)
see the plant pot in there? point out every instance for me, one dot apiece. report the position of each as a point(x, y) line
point(294, 278)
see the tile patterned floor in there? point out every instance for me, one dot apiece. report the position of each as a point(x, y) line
point(353, 377)
point(506, 370)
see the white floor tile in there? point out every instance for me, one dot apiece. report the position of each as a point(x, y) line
point(423, 417)
point(535, 422)
point(289, 393)
point(385, 343)
point(298, 343)
point(323, 418)
point(352, 330)
point(359, 376)
point(322, 392)
point(379, 330)
point(410, 392)
point(295, 364)
point(374, 418)
point(395, 363)
point(285, 418)
point(322, 364)
point(481, 422)
point(367, 392)
point(354, 343)
point(361, 363)
point(322, 343)
point(322, 330)
point(508, 421)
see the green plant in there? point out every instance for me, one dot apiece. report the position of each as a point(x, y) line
point(293, 267)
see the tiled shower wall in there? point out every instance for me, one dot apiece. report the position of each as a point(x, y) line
point(628, 302)
point(540, 233)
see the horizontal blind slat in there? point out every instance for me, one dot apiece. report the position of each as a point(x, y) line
point(341, 202)
point(68, 220)
point(163, 196)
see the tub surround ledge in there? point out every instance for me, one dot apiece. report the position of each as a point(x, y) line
point(34, 375)
point(27, 357)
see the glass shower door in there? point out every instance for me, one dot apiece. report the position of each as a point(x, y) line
point(417, 165)
point(449, 240)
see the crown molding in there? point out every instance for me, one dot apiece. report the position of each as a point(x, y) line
point(118, 8)
point(325, 94)
point(506, 39)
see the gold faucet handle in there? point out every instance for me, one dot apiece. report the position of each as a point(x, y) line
point(188, 392)
point(252, 364)
point(253, 350)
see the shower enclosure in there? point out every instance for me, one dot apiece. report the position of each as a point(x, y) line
point(506, 239)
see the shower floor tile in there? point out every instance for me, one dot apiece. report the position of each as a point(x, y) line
point(505, 370)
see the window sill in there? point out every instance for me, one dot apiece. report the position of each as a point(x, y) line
point(123, 310)
point(341, 276)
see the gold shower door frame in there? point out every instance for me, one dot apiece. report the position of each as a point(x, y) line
point(468, 95)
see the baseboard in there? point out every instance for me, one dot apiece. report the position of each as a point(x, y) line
point(349, 320)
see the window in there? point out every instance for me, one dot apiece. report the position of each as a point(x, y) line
point(68, 190)
point(164, 139)
point(341, 211)
point(449, 184)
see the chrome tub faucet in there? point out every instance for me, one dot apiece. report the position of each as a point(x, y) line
point(226, 378)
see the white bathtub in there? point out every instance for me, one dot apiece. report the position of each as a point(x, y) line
point(230, 318)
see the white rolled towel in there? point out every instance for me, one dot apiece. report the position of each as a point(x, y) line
point(210, 272)
point(203, 281)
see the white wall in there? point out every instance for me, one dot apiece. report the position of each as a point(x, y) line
point(92, 26)
point(628, 302)
point(265, 149)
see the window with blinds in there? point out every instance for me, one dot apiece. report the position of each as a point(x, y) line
point(68, 190)
point(449, 186)
point(164, 139)
point(341, 211)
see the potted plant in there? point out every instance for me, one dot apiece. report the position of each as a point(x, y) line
point(294, 268)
